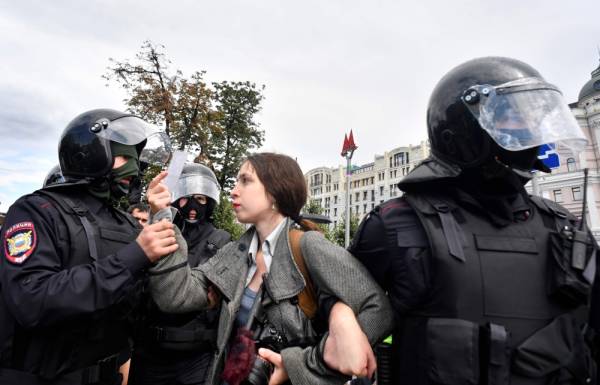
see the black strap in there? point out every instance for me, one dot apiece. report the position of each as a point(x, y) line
point(103, 370)
point(83, 213)
point(75, 206)
point(452, 231)
point(106, 368)
point(166, 334)
point(498, 369)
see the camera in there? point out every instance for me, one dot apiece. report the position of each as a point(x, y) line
point(268, 337)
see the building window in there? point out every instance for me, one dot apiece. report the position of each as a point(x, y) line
point(335, 199)
point(335, 211)
point(364, 209)
point(357, 198)
point(372, 195)
point(380, 190)
point(365, 193)
point(571, 166)
point(557, 195)
point(577, 196)
point(398, 159)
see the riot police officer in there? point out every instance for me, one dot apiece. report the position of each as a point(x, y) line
point(54, 176)
point(71, 262)
point(178, 348)
point(484, 279)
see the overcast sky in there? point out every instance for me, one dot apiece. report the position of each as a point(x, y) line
point(328, 66)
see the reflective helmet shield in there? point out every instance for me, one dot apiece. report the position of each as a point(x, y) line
point(197, 179)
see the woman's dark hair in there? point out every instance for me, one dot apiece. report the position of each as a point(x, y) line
point(284, 181)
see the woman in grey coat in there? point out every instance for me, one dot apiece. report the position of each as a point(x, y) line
point(269, 194)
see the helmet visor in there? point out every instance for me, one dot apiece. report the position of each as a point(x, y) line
point(131, 130)
point(157, 150)
point(523, 114)
point(127, 130)
point(196, 184)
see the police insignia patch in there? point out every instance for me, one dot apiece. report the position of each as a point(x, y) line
point(20, 242)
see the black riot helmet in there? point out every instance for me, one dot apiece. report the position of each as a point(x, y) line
point(495, 105)
point(54, 177)
point(84, 150)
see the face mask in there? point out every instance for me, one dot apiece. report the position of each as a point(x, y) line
point(118, 189)
point(111, 188)
point(200, 209)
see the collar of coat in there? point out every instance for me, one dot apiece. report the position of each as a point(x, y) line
point(229, 272)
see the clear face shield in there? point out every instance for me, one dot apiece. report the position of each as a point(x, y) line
point(131, 130)
point(523, 114)
point(189, 185)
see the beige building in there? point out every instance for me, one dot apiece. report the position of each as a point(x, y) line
point(370, 184)
point(565, 184)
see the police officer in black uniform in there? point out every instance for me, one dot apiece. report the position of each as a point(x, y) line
point(54, 176)
point(489, 285)
point(71, 262)
point(178, 348)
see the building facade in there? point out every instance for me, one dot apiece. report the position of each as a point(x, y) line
point(370, 184)
point(565, 184)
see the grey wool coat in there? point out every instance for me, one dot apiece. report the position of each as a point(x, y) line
point(176, 288)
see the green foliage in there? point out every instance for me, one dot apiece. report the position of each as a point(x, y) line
point(338, 233)
point(312, 207)
point(238, 133)
point(224, 218)
point(216, 123)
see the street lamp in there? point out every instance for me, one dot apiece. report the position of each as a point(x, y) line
point(347, 152)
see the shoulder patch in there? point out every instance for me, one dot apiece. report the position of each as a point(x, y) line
point(20, 241)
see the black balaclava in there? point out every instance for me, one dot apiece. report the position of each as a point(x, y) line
point(498, 184)
point(110, 188)
point(203, 213)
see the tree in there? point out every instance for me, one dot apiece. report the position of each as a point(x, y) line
point(312, 207)
point(216, 123)
point(223, 218)
point(152, 90)
point(338, 233)
point(238, 133)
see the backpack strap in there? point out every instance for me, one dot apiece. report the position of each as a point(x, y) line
point(307, 298)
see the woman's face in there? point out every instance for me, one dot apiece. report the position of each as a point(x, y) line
point(250, 200)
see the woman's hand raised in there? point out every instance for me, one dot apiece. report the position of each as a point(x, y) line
point(158, 194)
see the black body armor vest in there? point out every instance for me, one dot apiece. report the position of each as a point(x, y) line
point(85, 340)
point(188, 332)
point(495, 314)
